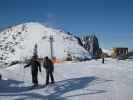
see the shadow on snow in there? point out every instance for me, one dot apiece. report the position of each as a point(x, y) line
point(59, 89)
point(11, 86)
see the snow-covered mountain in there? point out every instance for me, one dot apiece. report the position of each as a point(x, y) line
point(107, 51)
point(18, 42)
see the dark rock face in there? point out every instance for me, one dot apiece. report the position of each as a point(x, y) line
point(91, 44)
point(79, 40)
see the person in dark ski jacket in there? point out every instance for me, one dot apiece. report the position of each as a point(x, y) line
point(49, 66)
point(103, 60)
point(35, 65)
point(0, 76)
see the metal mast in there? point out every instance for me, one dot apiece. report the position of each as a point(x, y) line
point(51, 45)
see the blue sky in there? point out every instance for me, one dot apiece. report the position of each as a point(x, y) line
point(111, 20)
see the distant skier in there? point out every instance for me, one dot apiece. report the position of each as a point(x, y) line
point(49, 66)
point(103, 60)
point(35, 65)
point(0, 76)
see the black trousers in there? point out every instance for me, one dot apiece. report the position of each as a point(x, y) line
point(49, 74)
point(35, 78)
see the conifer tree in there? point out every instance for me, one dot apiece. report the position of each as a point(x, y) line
point(35, 52)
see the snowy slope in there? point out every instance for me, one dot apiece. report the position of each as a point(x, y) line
point(74, 81)
point(107, 51)
point(17, 42)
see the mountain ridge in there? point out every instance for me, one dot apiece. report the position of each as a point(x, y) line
point(17, 42)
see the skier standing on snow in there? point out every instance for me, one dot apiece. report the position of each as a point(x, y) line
point(0, 76)
point(49, 66)
point(35, 65)
point(103, 60)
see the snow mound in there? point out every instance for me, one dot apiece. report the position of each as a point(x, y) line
point(108, 51)
point(18, 42)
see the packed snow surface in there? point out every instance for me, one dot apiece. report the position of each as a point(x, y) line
point(17, 43)
point(90, 80)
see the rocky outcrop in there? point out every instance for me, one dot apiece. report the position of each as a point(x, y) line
point(91, 44)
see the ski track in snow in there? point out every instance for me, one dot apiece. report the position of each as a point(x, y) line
point(89, 80)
